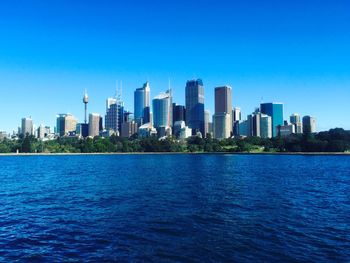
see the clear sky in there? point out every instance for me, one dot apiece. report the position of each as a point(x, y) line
point(291, 51)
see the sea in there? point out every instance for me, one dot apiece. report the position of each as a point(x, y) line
point(175, 208)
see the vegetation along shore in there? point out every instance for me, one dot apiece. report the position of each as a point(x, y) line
point(332, 141)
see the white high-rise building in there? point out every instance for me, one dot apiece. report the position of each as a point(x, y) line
point(265, 126)
point(296, 121)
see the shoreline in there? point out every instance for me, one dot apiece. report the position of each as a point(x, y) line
point(181, 153)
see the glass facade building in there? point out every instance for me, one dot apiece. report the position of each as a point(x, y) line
point(142, 104)
point(275, 111)
point(195, 106)
point(115, 117)
point(162, 110)
point(179, 113)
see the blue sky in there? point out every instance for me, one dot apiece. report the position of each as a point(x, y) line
point(293, 51)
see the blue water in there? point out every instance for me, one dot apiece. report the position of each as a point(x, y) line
point(175, 208)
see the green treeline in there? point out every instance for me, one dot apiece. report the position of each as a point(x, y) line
point(335, 140)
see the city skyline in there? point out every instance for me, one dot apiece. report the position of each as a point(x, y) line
point(116, 99)
point(293, 52)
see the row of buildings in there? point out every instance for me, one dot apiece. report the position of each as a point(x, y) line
point(163, 117)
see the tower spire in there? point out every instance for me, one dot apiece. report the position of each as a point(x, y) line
point(85, 101)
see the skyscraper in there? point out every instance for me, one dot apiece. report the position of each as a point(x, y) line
point(162, 110)
point(179, 113)
point(296, 121)
point(254, 122)
point(236, 118)
point(114, 115)
point(265, 126)
point(275, 111)
point(94, 124)
point(66, 124)
point(142, 104)
point(207, 122)
point(27, 126)
point(223, 112)
point(309, 124)
point(195, 106)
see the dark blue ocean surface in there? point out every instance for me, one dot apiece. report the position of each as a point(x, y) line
point(175, 208)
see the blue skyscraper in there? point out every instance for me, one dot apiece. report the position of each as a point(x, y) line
point(275, 111)
point(195, 106)
point(142, 104)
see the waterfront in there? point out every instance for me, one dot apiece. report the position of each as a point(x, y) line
point(177, 208)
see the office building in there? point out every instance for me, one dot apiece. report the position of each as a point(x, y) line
point(195, 106)
point(142, 104)
point(236, 118)
point(109, 102)
point(27, 127)
point(285, 130)
point(254, 124)
point(162, 110)
point(181, 131)
point(296, 121)
point(223, 112)
point(179, 113)
point(82, 130)
point(3, 135)
point(309, 124)
point(94, 124)
point(275, 111)
point(42, 132)
point(222, 125)
point(243, 128)
point(208, 124)
point(66, 124)
point(146, 130)
point(129, 129)
point(114, 115)
point(265, 126)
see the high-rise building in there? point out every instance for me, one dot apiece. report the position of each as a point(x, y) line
point(236, 114)
point(94, 124)
point(66, 124)
point(208, 124)
point(114, 115)
point(162, 110)
point(265, 126)
point(223, 112)
point(42, 132)
point(129, 128)
point(309, 124)
point(195, 106)
point(142, 104)
point(236, 118)
point(296, 121)
point(83, 130)
point(285, 130)
point(179, 113)
point(275, 111)
point(222, 125)
point(243, 128)
point(109, 102)
point(254, 122)
point(3, 135)
point(27, 126)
